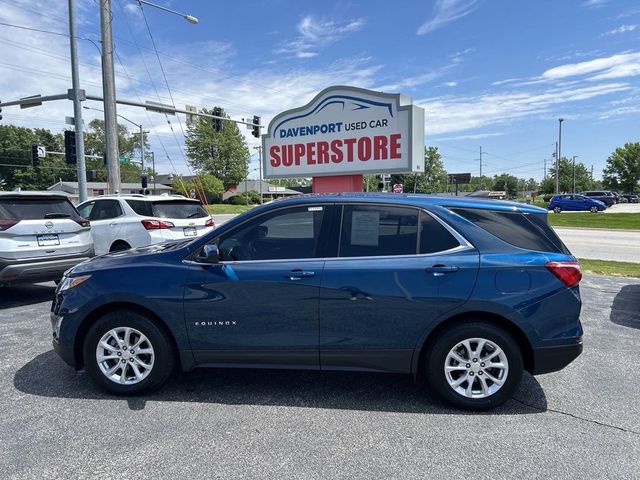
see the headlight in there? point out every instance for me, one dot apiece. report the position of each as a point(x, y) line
point(71, 282)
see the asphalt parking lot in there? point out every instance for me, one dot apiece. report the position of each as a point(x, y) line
point(582, 422)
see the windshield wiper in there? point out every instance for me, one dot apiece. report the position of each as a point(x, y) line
point(57, 215)
point(194, 214)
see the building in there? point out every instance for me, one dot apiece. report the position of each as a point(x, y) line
point(100, 188)
point(264, 188)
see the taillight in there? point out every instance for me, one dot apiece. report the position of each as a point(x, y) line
point(210, 223)
point(83, 222)
point(156, 224)
point(5, 224)
point(569, 273)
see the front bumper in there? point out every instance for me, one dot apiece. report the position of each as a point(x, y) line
point(64, 351)
point(40, 269)
point(552, 359)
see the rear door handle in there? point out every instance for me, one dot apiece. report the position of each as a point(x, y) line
point(299, 274)
point(439, 270)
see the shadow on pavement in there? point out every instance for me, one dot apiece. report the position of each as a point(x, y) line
point(26, 294)
point(625, 309)
point(46, 375)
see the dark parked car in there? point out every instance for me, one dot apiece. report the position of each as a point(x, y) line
point(575, 203)
point(605, 197)
point(467, 292)
point(631, 197)
point(619, 198)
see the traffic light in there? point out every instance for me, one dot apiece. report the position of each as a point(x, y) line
point(144, 180)
point(217, 123)
point(256, 126)
point(35, 159)
point(92, 175)
point(0, 111)
point(70, 147)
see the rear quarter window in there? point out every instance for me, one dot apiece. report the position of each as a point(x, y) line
point(524, 230)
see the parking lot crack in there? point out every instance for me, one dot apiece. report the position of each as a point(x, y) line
point(577, 417)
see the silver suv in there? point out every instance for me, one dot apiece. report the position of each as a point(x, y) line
point(41, 236)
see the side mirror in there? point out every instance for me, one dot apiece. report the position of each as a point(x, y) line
point(208, 254)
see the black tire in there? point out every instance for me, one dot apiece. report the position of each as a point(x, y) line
point(593, 209)
point(439, 349)
point(557, 209)
point(164, 360)
point(120, 246)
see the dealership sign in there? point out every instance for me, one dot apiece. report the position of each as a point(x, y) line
point(346, 131)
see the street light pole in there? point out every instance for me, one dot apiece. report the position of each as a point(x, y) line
point(77, 106)
point(559, 156)
point(109, 94)
point(259, 149)
point(574, 173)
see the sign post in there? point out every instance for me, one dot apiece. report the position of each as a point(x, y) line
point(459, 179)
point(342, 134)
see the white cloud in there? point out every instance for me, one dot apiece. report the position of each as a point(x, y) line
point(451, 84)
point(447, 11)
point(476, 136)
point(594, 3)
point(615, 66)
point(457, 113)
point(315, 34)
point(621, 29)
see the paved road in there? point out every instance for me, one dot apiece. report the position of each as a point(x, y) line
point(619, 245)
point(583, 422)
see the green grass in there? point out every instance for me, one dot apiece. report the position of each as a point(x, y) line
point(596, 220)
point(606, 267)
point(222, 208)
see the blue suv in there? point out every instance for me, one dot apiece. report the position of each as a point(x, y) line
point(575, 203)
point(467, 293)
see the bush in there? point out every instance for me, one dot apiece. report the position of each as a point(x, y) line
point(547, 197)
point(237, 200)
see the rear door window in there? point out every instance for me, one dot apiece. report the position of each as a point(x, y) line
point(179, 209)
point(525, 230)
point(105, 210)
point(35, 208)
point(372, 230)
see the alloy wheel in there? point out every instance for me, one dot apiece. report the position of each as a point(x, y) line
point(125, 355)
point(476, 368)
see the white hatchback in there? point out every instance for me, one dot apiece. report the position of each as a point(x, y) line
point(130, 221)
point(41, 236)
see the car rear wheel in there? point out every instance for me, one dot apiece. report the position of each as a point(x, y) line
point(127, 354)
point(474, 366)
point(120, 246)
point(557, 209)
point(593, 209)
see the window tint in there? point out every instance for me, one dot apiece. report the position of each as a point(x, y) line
point(141, 207)
point(105, 209)
point(529, 231)
point(85, 209)
point(178, 209)
point(35, 208)
point(288, 233)
point(378, 230)
point(434, 237)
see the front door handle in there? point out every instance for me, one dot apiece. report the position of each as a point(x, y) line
point(439, 270)
point(299, 274)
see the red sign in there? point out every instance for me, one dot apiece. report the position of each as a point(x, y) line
point(397, 188)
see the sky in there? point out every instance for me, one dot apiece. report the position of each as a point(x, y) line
point(495, 74)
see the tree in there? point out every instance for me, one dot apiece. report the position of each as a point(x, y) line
point(623, 169)
point(506, 182)
point(223, 154)
point(565, 168)
point(432, 180)
point(207, 183)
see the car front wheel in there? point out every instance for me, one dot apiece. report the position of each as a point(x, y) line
point(593, 209)
point(475, 366)
point(557, 209)
point(126, 353)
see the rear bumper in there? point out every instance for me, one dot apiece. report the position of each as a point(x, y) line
point(552, 359)
point(39, 269)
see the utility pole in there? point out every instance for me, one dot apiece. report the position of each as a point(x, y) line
point(480, 167)
point(153, 166)
point(557, 186)
point(109, 93)
point(259, 149)
point(77, 106)
point(560, 120)
point(544, 172)
point(574, 173)
point(592, 173)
